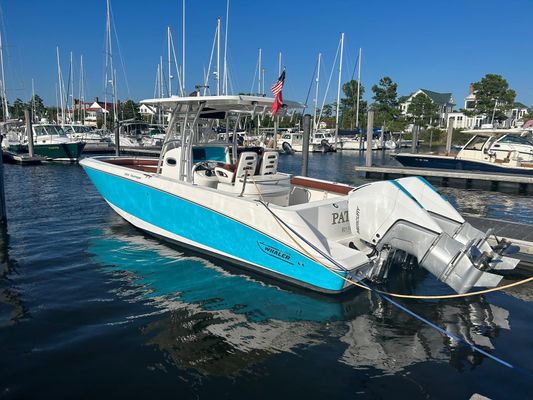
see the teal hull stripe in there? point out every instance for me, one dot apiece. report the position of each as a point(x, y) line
point(209, 228)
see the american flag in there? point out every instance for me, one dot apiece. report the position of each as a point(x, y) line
point(276, 91)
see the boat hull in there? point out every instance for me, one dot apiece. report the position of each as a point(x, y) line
point(190, 224)
point(443, 162)
point(70, 151)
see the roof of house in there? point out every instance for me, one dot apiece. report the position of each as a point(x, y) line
point(517, 104)
point(439, 98)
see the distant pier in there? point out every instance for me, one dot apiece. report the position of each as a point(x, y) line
point(446, 176)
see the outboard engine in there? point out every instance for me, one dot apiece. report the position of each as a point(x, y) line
point(386, 216)
point(455, 225)
point(287, 148)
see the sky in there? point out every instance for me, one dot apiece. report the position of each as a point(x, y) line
point(435, 45)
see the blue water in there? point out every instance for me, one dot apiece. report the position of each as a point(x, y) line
point(91, 307)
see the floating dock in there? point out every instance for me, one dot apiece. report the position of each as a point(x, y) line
point(141, 151)
point(21, 159)
point(445, 175)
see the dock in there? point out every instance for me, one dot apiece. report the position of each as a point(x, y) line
point(445, 176)
point(21, 158)
point(151, 151)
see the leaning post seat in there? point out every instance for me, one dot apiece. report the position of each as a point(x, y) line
point(246, 164)
point(269, 163)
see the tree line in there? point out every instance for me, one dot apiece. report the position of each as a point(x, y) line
point(493, 97)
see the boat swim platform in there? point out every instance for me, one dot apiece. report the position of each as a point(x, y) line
point(446, 176)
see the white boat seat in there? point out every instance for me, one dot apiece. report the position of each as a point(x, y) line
point(246, 165)
point(269, 163)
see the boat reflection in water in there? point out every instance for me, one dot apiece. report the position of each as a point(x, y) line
point(221, 323)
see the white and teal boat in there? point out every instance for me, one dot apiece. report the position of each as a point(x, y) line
point(233, 203)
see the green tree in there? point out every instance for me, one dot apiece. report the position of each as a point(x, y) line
point(349, 105)
point(493, 96)
point(17, 109)
point(37, 104)
point(327, 110)
point(129, 110)
point(422, 111)
point(52, 113)
point(385, 103)
point(2, 114)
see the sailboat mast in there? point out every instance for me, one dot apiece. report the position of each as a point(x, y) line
point(61, 95)
point(71, 94)
point(183, 48)
point(81, 103)
point(218, 56)
point(259, 73)
point(4, 92)
point(358, 88)
point(263, 79)
point(169, 64)
point(339, 92)
point(32, 99)
point(317, 82)
point(225, 78)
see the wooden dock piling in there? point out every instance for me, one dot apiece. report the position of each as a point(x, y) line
point(3, 214)
point(369, 138)
point(305, 145)
point(117, 140)
point(29, 131)
point(449, 136)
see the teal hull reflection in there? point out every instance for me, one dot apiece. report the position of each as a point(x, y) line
point(167, 275)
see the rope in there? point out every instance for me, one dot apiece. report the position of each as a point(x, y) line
point(365, 287)
point(385, 295)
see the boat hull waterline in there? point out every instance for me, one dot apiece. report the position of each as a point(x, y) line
point(56, 151)
point(210, 231)
point(451, 163)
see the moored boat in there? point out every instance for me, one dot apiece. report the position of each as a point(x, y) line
point(49, 141)
point(234, 204)
point(507, 155)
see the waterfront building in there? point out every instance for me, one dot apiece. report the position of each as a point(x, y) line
point(444, 101)
point(461, 120)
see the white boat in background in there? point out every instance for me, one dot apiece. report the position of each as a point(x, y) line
point(319, 142)
point(234, 204)
point(84, 133)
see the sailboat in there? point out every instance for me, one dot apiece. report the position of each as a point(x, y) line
point(232, 203)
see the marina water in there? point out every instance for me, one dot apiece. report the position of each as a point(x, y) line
point(92, 307)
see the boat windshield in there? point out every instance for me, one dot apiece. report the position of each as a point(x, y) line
point(515, 139)
point(47, 130)
point(476, 143)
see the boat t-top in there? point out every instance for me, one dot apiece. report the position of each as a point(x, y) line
point(233, 203)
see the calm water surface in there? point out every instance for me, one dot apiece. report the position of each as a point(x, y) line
point(91, 307)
